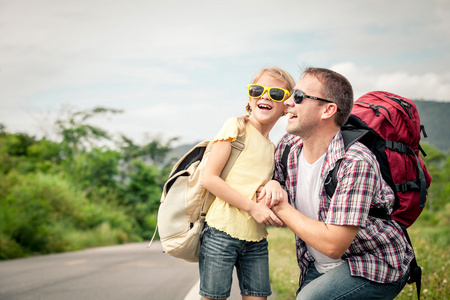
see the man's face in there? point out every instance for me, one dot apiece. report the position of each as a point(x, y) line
point(304, 117)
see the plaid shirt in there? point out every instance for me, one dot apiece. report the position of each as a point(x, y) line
point(380, 251)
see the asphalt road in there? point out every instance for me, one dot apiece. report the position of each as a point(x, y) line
point(130, 271)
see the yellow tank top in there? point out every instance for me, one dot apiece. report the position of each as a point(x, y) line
point(253, 168)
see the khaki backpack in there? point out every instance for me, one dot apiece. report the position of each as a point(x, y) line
point(185, 202)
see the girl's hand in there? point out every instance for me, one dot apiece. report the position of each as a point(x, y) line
point(272, 193)
point(258, 192)
point(264, 215)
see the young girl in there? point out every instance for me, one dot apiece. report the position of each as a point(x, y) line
point(235, 234)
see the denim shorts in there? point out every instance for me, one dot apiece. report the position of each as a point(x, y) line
point(219, 254)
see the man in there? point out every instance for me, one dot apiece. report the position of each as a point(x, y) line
point(342, 251)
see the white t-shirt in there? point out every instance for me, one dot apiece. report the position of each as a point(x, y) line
point(308, 191)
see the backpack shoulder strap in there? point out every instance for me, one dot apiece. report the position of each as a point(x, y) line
point(236, 148)
point(350, 136)
point(284, 163)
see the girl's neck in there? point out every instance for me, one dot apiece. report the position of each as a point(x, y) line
point(264, 129)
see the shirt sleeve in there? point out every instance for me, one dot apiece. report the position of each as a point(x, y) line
point(229, 131)
point(355, 190)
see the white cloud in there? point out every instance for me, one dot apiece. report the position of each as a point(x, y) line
point(166, 61)
point(428, 86)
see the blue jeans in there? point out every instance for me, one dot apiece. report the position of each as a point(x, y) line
point(340, 284)
point(220, 253)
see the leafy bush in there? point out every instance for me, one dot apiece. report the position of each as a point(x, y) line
point(9, 248)
point(40, 209)
point(102, 235)
point(142, 195)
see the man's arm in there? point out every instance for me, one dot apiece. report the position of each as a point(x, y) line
point(331, 240)
point(350, 204)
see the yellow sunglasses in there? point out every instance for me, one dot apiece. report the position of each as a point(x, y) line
point(275, 94)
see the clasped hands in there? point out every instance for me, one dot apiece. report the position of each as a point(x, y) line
point(271, 195)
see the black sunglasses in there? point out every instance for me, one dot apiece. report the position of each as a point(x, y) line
point(299, 95)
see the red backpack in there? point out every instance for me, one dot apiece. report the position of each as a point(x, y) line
point(389, 125)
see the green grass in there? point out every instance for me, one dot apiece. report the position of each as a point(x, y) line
point(431, 245)
point(284, 271)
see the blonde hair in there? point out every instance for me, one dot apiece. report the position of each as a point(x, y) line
point(277, 73)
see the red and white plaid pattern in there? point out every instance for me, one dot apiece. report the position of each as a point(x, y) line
point(380, 251)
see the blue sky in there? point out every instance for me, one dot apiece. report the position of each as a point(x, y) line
point(180, 68)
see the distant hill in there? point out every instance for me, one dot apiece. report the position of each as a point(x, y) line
point(435, 116)
point(178, 152)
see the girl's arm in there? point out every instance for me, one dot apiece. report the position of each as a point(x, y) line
point(211, 180)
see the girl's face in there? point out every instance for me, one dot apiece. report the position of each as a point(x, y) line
point(265, 111)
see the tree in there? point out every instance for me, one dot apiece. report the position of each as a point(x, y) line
point(2, 128)
point(81, 181)
point(79, 136)
point(153, 152)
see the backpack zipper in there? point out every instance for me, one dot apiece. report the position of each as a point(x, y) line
point(376, 109)
point(405, 105)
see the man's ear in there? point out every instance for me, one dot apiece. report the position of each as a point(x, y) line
point(330, 111)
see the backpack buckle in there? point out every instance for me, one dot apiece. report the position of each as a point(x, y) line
point(238, 145)
point(396, 146)
point(402, 187)
point(407, 186)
